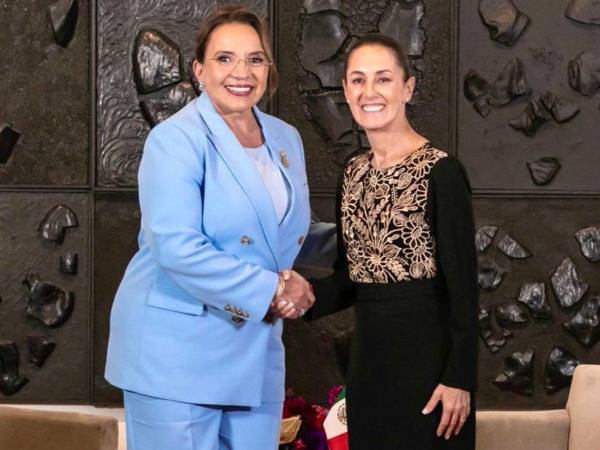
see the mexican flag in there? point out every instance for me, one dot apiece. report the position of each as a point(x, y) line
point(336, 425)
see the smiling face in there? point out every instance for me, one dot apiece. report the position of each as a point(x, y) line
point(376, 89)
point(233, 85)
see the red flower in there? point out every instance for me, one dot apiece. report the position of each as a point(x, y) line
point(334, 393)
point(297, 406)
point(320, 418)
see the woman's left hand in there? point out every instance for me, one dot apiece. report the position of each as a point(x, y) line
point(456, 405)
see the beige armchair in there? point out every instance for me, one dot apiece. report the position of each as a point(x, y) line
point(26, 429)
point(575, 428)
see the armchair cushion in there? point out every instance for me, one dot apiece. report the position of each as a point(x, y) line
point(584, 408)
point(26, 429)
point(522, 430)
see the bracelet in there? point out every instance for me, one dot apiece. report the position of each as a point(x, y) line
point(280, 286)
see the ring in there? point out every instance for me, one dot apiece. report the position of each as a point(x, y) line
point(301, 312)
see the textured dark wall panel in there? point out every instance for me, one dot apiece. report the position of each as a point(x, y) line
point(121, 126)
point(430, 114)
point(117, 222)
point(65, 375)
point(44, 94)
point(496, 154)
point(546, 228)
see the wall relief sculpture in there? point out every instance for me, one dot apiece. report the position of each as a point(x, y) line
point(54, 225)
point(543, 170)
point(494, 339)
point(45, 93)
point(8, 140)
point(511, 314)
point(531, 95)
point(68, 263)
point(589, 240)
point(568, 285)
point(560, 365)
point(490, 274)
point(41, 281)
point(46, 302)
point(153, 40)
point(329, 28)
point(517, 374)
point(511, 248)
point(584, 11)
point(504, 21)
point(40, 348)
point(10, 380)
point(559, 312)
point(585, 325)
point(533, 295)
point(63, 16)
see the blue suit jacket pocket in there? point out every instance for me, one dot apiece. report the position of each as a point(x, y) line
point(174, 299)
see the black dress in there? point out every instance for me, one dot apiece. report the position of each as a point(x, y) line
point(408, 266)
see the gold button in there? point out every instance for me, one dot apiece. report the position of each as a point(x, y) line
point(301, 240)
point(245, 240)
point(237, 319)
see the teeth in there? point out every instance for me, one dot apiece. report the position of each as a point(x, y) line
point(372, 108)
point(239, 90)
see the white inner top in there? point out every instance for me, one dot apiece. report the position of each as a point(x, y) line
point(272, 177)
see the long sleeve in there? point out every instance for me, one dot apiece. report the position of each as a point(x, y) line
point(336, 291)
point(451, 216)
point(170, 181)
point(320, 247)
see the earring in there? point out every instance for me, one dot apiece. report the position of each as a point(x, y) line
point(201, 85)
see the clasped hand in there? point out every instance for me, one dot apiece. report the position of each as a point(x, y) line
point(295, 299)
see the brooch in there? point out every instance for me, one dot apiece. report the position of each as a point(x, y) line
point(284, 159)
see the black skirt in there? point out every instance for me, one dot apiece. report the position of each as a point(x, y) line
point(399, 349)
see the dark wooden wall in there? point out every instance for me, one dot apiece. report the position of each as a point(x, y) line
point(83, 117)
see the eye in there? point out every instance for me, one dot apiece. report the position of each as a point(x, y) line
point(257, 60)
point(223, 59)
point(356, 81)
point(384, 80)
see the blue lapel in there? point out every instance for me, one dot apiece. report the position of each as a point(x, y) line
point(242, 169)
point(276, 148)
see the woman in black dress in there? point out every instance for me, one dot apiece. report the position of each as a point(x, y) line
point(408, 266)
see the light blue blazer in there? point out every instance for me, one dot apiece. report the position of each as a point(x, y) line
point(187, 321)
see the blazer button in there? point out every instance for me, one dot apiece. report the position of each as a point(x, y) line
point(301, 240)
point(237, 319)
point(245, 240)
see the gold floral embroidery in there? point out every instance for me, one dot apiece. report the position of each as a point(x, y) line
point(383, 218)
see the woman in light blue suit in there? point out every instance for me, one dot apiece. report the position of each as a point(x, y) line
point(195, 338)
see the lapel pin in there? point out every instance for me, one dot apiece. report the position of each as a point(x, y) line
point(284, 159)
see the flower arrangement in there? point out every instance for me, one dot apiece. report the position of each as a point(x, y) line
point(307, 420)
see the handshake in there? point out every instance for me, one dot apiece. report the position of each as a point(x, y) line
point(293, 298)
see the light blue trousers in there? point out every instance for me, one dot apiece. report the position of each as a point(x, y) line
point(158, 424)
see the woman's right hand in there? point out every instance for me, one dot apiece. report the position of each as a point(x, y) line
point(456, 404)
point(295, 299)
